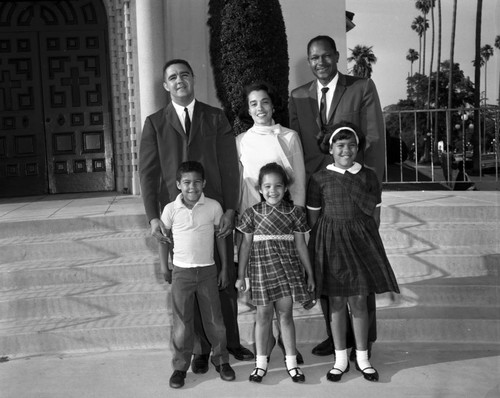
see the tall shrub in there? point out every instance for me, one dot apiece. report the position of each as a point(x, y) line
point(248, 43)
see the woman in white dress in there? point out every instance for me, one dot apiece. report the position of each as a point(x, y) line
point(266, 142)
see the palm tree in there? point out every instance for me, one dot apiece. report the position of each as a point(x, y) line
point(419, 25)
point(486, 52)
point(452, 54)
point(477, 88)
point(363, 58)
point(424, 6)
point(497, 45)
point(412, 56)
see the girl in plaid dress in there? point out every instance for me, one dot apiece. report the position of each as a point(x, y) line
point(345, 246)
point(275, 252)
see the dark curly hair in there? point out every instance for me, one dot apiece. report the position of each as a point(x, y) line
point(258, 86)
point(323, 138)
point(275, 168)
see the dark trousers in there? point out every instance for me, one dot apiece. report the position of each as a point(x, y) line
point(372, 317)
point(228, 302)
point(229, 306)
point(190, 285)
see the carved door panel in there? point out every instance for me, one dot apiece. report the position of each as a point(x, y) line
point(55, 122)
point(76, 107)
point(23, 169)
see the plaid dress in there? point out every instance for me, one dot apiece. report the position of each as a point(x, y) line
point(346, 250)
point(274, 266)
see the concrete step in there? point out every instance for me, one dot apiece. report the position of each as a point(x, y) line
point(82, 300)
point(30, 273)
point(424, 212)
point(409, 265)
point(152, 329)
point(97, 299)
point(90, 244)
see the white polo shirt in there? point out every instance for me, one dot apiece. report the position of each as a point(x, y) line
point(193, 230)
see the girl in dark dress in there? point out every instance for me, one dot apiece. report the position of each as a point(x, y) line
point(346, 249)
point(273, 253)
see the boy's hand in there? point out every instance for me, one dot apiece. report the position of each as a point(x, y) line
point(167, 274)
point(223, 280)
point(240, 285)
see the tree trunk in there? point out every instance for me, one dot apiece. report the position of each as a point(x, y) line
point(452, 53)
point(477, 92)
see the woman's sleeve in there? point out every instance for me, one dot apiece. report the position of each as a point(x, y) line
point(298, 188)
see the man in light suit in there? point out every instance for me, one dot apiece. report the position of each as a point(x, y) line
point(330, 99)
point(187, 129)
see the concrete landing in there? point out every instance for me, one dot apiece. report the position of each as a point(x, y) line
point(406, 370)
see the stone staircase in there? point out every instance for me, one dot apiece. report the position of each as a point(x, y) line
point(83, 284)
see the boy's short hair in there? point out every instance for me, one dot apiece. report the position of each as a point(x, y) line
point(190, 166)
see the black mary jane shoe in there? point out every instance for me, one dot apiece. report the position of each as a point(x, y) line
point(368, 376)
point(336, 376)
point(255, 376)
point(297, 376)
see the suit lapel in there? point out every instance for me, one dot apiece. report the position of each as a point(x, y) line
point(313, 102)
point(337, 95)
point(173, 120)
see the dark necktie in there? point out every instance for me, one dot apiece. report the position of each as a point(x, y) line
point(322, 107)
point(187, 122)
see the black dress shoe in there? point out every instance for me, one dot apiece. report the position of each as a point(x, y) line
point(177, 379)
point(226, 372)
point(199, 364)
point(337, 376)
point(324, 348)
point(368, 376)
point(296, 375)
point(241, 353)
point(257, 375)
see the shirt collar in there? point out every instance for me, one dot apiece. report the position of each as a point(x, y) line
point(179, 109)
point(178, 203)
point(332, 85)
point(354, 169)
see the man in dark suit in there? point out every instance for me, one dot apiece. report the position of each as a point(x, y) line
point(329, 99)
point(187, 129)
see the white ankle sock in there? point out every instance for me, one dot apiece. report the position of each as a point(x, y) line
point(363, 362)
point(340, 362)
point(291, 361)
point(261, 361)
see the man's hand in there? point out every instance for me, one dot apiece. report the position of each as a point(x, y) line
point(223, 280)
point(159, 231)
point(226, 224)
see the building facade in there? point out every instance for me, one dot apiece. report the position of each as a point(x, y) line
point(79, 77)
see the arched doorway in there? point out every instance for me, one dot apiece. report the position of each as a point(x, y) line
point(55, 119)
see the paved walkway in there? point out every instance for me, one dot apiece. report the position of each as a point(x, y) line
point(415, 370)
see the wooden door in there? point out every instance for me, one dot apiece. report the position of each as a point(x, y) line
point(60, 140)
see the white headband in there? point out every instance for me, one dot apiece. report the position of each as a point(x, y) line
point(339, 130)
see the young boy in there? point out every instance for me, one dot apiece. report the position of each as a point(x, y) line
point(193, 220)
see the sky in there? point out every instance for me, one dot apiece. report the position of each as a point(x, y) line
point(386, 25)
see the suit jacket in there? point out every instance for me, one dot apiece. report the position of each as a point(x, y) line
point(164, 146)
point(355, 100)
